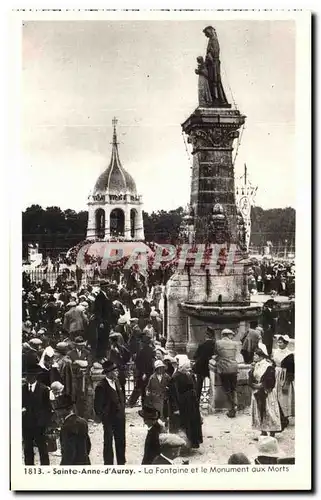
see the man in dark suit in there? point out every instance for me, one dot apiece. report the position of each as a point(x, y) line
point(104, 317)
point(144, 365)
point(203, 354)
point(74, 438)
point(109, 405)
point(36, 413)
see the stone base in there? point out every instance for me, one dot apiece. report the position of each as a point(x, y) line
point(217, 397)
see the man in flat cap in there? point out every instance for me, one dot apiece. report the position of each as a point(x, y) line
point(75, 321)
point(227, 367)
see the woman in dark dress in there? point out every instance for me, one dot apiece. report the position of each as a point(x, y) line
point(183, 398)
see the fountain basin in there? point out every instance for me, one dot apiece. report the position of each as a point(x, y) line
point(214, 313)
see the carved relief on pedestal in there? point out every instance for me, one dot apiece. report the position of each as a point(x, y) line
point(212, 138)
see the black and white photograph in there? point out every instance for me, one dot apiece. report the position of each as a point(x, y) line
point(162, 213)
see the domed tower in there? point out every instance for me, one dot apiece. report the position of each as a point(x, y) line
point(115, 210)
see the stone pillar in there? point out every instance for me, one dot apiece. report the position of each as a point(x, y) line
point(127, 232)
point(177, 319)
point(107, 222)
point(139, 224)
point(91, 226)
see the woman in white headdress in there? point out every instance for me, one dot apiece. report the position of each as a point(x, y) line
point(283, 358)
point(183, 401)
point(265, 408)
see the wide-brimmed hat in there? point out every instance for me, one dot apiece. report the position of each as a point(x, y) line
point(64, 402)
point(71, 304)
point(109, 366)
point(159, 364)
point(79, 341)
point(268, 446)
point(149, 413)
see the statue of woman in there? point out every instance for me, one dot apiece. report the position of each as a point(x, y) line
point(213, 66)
point(204, 93)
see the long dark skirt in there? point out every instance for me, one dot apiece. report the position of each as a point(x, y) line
point(190, 417)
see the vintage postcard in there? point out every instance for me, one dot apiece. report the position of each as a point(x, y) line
point(160, 243)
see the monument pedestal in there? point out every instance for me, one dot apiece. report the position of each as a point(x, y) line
point(176, 319)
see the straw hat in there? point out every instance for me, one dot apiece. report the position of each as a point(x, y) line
point(159, 364)
point(268, 446)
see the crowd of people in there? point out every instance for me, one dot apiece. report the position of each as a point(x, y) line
point(272, 277)
point(74, 335)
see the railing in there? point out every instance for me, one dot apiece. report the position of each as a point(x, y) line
point(129, 387)
point(37, 275)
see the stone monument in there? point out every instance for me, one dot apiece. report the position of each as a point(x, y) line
point(213, 295)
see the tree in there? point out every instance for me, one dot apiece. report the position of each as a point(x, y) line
point(57, 230)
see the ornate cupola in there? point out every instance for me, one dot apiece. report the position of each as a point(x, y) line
point(115, 210)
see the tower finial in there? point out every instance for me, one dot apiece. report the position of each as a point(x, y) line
point(114, 122)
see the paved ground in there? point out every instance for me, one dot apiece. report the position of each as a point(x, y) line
point(222, 437)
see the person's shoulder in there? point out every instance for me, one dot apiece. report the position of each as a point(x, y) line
point(43, 387)
point(82, 423)
point(102, 384)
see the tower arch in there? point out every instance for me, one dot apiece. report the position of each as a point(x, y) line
point(100, 223)
point(117, 223)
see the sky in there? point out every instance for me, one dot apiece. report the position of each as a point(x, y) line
point(78, 75)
